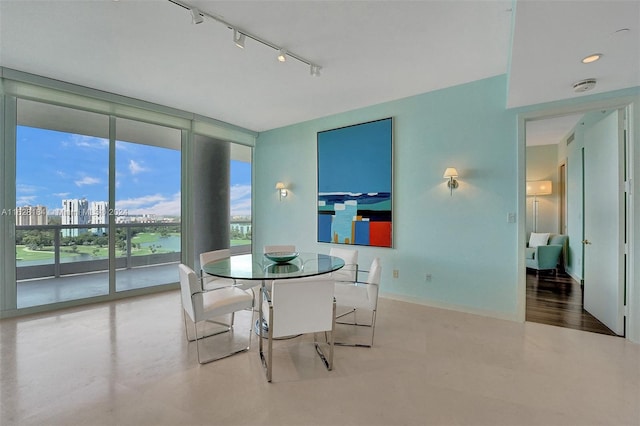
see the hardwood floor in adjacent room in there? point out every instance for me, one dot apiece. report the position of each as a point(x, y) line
point(557, 300)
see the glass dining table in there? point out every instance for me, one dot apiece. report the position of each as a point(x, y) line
point(259, 268)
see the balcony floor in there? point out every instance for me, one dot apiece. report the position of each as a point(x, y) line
point(44, 291)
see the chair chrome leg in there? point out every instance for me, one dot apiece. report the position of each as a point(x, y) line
point(198, 339)
point(270, 364)
point(355, 324)
point(328, 363)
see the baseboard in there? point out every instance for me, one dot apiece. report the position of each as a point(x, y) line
point(451, 307)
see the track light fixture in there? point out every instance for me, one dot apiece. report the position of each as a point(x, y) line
point(315, 70)
point(238, 39)
point(240, 35)
point(196, 18)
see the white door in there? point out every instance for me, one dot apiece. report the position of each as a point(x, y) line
point(603, 222)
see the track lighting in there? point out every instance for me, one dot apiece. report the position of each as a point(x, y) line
point(315, 70)
point(238, 39)
point(196, 18)
point(240, 35)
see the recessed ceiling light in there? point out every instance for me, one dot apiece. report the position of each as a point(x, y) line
point(282, 55)
point(592, 58)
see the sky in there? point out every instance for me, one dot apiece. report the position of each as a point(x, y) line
point(52, 166)
point(355, 158)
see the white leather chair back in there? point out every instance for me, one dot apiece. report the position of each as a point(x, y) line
point(211, 256)
point(301, 306)
point(189, 285)
point(349, 270)
point(374, 278)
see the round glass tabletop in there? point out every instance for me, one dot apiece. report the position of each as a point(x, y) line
point(259, 267)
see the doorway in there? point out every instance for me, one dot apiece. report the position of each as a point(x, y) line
point(555, 153)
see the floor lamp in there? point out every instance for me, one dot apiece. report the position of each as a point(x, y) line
point(535, 188)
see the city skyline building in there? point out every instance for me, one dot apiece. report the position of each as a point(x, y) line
point(75, 212)
point(99, 213)
point(31, 215)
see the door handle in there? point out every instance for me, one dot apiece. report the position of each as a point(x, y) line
point(586, 242)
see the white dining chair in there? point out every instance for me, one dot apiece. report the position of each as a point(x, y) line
point(298, 306)
point(207, 306)
point(210, 282)
point(349, 272)
point(359, 296)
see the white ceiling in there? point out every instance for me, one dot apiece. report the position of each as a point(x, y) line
point(550, 131)
point(370, 51)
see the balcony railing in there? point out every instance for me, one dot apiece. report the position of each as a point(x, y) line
point(64, 260)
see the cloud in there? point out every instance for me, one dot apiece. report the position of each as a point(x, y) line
point(135, 203)
point(87, 180)
point(151, 204)
point(240, 191)
point(241, 208)
point(240, 197)
point(26, 200)
point(89, 141)
point(135, 167)
point(61, 194)
point(22, 188)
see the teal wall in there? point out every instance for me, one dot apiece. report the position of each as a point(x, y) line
point(464, 241)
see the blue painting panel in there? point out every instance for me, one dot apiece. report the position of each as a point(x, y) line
point(356, 159)
point(324, 228)
point(355, 181)
point(362, 233)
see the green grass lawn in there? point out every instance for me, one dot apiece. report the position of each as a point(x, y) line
point(23, 253)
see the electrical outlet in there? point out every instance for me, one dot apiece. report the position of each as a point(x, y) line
point(427, 277)
point(511, 218)
point(395, 273)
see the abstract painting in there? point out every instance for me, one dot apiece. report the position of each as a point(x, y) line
point(355, 181)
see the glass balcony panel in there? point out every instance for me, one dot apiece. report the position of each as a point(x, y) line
point(147, 209)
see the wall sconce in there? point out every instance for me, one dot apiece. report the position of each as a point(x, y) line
point(451, 173)
point(282, 190)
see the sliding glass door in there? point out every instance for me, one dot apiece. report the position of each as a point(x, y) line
point(62, 169)
point(98, 204)
point(147, 209)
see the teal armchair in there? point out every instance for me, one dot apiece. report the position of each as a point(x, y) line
point(546, 257)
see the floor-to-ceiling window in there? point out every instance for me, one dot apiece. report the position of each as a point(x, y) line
point(240, 199)
point(71, 193)
point(62, 168)
point(98, 200)
point(147, 204)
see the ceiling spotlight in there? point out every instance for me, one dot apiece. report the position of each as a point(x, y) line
point(196, 18)
point(282, 55)
point(315, 70)
point(238, 39)
point(592, 58)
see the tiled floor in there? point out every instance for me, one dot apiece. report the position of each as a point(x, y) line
point(43, 291)
point(127, 363)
